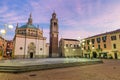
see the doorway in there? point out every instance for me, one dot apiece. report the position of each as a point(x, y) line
point(31, 54)
point(94, 55)
point(115, 55)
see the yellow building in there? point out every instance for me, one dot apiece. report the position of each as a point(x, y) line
point(69, 48)
point(105, 45)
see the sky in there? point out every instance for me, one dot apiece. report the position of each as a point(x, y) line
point(76, 18)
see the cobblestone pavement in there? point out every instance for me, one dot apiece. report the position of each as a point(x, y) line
point(109, 70)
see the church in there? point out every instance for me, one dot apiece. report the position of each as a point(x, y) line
point(29, 41)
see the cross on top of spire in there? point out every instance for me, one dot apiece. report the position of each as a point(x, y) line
point(30, 15)
point(30, 19)
point(54, 15)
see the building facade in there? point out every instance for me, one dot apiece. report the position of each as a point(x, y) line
point(47, 48)
point(3, 43)
point(105, 45)
point(9, 49)
point(29, 41)
point(69, 48)
point(53, 50)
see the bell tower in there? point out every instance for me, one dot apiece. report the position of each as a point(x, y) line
point(53, 50)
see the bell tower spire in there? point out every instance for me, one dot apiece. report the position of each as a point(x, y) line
point(30, 19)
point(54, 15)
point(53, 36)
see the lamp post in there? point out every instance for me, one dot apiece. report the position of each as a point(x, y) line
point(3, 33)
point(91, 49)
point(66, 51)
point(81, 45)
point(82, 51)
point(90, 43)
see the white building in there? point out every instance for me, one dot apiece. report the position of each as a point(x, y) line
point(29, 41)
point(47, 48)
point(69, 48)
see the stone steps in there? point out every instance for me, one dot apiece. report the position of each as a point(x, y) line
point(26, 68)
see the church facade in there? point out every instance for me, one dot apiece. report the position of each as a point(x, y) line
point(29, 41)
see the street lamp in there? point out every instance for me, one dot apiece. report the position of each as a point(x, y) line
point(81, 44)
point(90, 43)
point(3, 33)
point(82, 51)
point(91, 49)
point(65, 51)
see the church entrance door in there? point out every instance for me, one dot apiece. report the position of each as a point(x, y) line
point(31, 54)
point(31, 50)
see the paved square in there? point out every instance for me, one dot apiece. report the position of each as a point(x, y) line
point(110, 70)
point(24, 65)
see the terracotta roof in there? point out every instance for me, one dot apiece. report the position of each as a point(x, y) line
point(111, 32)
point(71, 39)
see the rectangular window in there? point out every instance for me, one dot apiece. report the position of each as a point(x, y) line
point(84, 48)
point(98, 40)
point(113, 38)
point(104, 45)
point(114, 46)
point(74, 45)
point(88, 41)
point(70, 45)
point(104, 38)
point(66, 45)
point(98, 46)
point(93, 41)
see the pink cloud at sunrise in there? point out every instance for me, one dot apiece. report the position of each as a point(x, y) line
point(77, 18)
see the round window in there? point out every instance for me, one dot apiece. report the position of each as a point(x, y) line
point(21, 48)
point(41, 49)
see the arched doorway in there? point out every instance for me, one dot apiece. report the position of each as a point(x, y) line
point(31, 54)
point(31, 50)
point(94, 55)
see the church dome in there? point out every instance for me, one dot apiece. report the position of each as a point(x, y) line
point(29, 23)
point(28, 26)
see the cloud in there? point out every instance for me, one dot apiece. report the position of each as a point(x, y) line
point(76, 17)
point(106, 20)
point(3, 9)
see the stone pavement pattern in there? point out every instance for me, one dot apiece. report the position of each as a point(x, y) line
point(110, 70)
